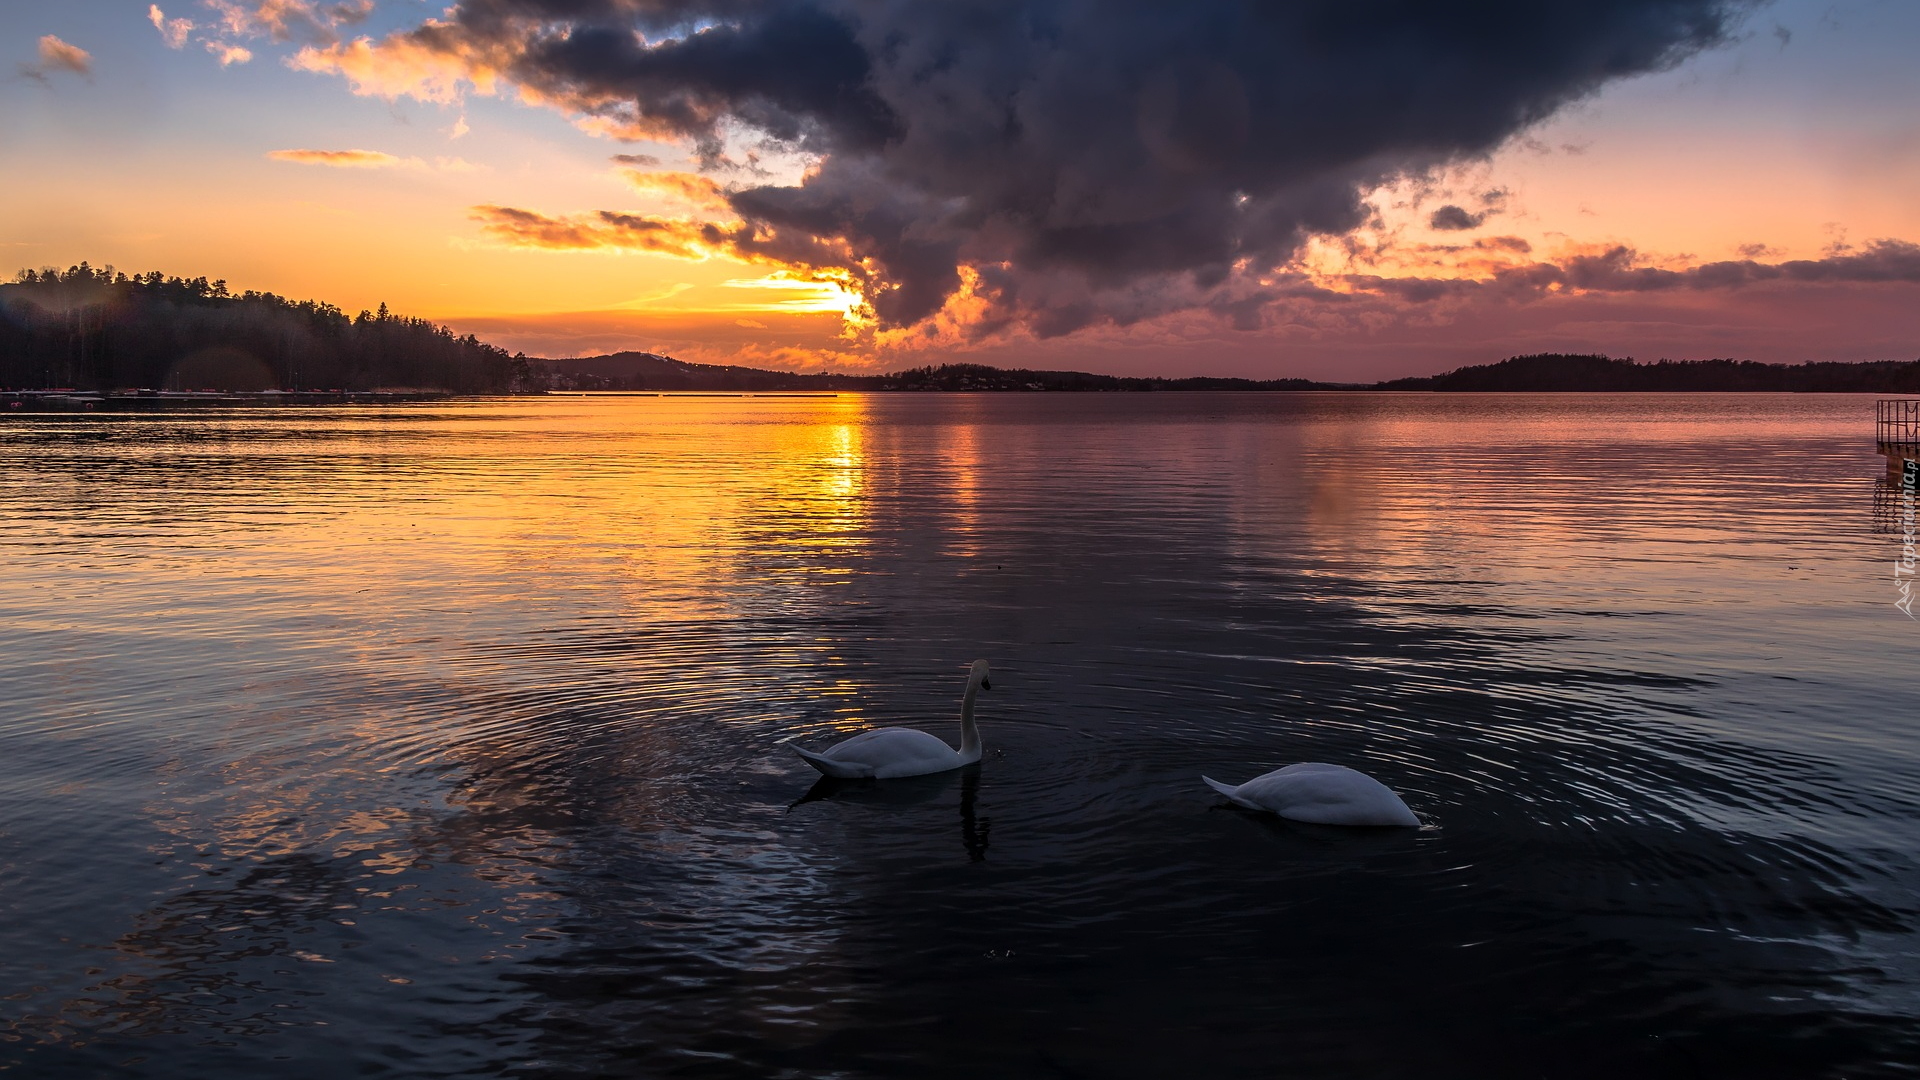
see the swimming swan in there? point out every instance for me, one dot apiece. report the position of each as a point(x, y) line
point(1321, 794)
point(892, 751)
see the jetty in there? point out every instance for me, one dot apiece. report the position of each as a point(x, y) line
point(1896, 433)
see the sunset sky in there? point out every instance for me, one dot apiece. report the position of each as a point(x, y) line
point(1337, 190)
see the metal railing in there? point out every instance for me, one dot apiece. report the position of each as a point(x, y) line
point(1896, 421)
point(1886, 506)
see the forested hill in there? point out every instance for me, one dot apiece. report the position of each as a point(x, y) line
point(981, 377)
point(1543, 372)
point(1560, 372)
point(651, 371)
point(102, 330)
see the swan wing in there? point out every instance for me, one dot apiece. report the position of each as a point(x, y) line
point(843, 770)
point(888, 752)
point(1327, 795)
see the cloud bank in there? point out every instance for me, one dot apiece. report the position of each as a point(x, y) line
point(1048, 164)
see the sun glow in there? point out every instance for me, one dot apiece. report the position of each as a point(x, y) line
point(793, 295)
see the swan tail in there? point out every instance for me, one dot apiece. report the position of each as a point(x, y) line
point(1232, 792)
point(828, 767)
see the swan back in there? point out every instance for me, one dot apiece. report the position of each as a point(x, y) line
point(1321, 794)
point(882, 753)
point(886, 752)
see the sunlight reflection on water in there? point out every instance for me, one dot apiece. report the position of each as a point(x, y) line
point(446, 740)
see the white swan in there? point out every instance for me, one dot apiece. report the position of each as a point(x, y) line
point(892, 751)
point(1320, 794)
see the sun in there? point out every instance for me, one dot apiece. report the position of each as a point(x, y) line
point(805, 293)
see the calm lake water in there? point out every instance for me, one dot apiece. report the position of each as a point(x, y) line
point(448, 740)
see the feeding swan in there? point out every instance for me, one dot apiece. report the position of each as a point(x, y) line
point(888, 752)
point(1320, 794)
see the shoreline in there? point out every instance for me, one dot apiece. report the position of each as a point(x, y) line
point(84, 401)
point(64, 402)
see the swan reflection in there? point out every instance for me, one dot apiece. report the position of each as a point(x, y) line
point(973, 831)
point(911, 791)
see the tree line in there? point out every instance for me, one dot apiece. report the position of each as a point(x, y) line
point(1550, 372)
point(100, 329)
point(1555, 372)
point(982, 377)
point(652, 371)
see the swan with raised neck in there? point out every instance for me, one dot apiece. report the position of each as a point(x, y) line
point(883, 753)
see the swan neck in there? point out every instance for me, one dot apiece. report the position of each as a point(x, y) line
point(969, 733)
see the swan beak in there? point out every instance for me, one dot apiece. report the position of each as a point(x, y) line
point(985, 685)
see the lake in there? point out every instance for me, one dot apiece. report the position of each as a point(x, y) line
point(449, 739)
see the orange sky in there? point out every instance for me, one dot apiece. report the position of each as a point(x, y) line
point(304, 171)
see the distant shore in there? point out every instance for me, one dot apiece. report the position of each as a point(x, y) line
point(71, 340)
point(1554, 372)
point(651, 373)
point(65, 400)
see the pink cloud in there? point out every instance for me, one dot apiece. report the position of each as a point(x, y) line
point(173, 31)
point(57, 55)
point(229, 54)
point(339, 159)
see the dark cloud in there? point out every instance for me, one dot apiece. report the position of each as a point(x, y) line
point(1068, 162)
point(1503, 243)
point(1614, 271)
point(792, 72)
point(604, 231)
point(1453, 218)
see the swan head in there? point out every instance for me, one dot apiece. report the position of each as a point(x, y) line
point(978, 675)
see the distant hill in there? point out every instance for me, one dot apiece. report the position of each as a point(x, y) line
point(1561, 372)
point(1539, 372)
point(982, 377)
point(102, 330)
point(652, 371)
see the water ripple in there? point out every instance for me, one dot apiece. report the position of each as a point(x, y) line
point(463, 729)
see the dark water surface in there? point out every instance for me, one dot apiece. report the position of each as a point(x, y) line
point(447, 740)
